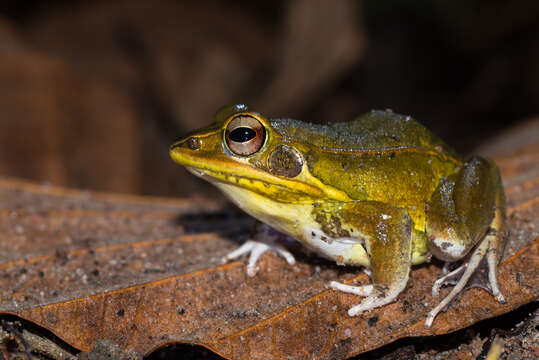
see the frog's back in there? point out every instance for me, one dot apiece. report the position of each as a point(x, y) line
point(373, 131)
point(380, 156)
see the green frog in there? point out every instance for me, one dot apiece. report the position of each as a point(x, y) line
point(381, 192)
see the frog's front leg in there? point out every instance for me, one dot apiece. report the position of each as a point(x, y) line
point(386, 233)
point(467, 211)
point(264, 239)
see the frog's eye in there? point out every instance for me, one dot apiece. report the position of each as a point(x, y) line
point(245, 135)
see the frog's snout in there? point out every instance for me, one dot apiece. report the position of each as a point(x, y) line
point(180, 148)
point(189, 142)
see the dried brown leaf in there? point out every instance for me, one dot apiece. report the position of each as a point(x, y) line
point(91, 266)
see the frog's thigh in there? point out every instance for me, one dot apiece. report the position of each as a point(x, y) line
point(462, 209)
point(388, 240)
point(477, 194)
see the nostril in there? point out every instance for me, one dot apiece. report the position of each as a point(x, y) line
point(193, 143)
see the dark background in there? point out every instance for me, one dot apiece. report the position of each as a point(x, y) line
point(92, 93)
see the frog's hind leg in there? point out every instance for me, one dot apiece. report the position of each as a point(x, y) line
point(497, 236)
point(469, 269)
point(446, 279)
point(464, 201)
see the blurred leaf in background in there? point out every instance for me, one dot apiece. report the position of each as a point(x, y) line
point(93, 92)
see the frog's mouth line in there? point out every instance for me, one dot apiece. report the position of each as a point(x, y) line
point(236, 173)
point(206, 175)
point(282, 194)
point(214, 176)
point(196, 172)
point(209, 169)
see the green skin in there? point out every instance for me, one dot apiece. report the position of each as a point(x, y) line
point(382, 181)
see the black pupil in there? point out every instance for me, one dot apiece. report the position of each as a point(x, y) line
point(242, 134)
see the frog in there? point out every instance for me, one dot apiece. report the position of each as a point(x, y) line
point(380, 192)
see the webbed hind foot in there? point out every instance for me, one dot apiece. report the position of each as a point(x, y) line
point(489, 248)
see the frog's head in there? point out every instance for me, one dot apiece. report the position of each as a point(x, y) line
point(241, 150)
